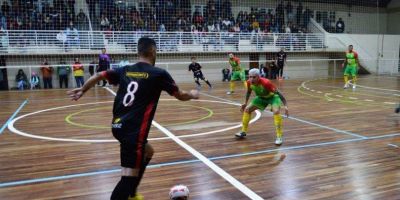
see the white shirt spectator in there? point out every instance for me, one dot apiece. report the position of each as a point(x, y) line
point(226, 22)
point(62, 37)
point(287, 29)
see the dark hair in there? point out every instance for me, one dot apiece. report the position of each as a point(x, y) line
point(145, 46)
point(351, 45)
point(193, 57)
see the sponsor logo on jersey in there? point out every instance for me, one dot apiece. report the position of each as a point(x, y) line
point(143, 75)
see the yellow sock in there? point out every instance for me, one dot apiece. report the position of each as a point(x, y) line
point(346, 79)
point(245, 121)
point(278, 125)
point(232, 86)
point(354, 80)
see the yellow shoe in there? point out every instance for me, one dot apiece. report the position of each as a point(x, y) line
point(136, 197)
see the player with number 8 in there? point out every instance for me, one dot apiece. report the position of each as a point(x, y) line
point(135, 104)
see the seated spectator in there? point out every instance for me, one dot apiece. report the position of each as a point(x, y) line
point(72, 36)
point(62, 38)
point(21, 80)
point(225, 74)
point(104, 23)
point(34, 81)
point(340, 26)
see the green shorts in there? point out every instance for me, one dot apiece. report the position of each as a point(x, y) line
point(238, 75)
point(350, 70)
point(262, 103)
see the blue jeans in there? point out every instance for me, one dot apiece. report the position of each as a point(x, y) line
point(79, 81)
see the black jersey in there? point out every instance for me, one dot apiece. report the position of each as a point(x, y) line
point(281, 57)
point(196, 69)
point(140, 86)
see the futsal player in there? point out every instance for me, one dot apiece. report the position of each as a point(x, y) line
point(397, 110)
point(135, 104)
point(280, 62)
point(350, 63)
point(197, 73)
point(266, 94)
point(237, 72)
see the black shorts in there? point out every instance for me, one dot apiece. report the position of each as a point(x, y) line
point(198, 76)
point(132, 152)
point(280, 65)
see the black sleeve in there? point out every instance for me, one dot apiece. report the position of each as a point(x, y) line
point(168, 84)
point(190, 67)
point(113, 75)
point(199, 65)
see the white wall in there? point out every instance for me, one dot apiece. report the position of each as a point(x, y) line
point(369, 48)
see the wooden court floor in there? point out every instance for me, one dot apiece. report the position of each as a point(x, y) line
point(338, 144)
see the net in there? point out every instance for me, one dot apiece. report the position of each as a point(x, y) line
point(314, 33)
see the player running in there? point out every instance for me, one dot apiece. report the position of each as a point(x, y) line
point(197, 73)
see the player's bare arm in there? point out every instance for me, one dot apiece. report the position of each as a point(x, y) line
point(186, 96)
point(283, 99)
point(248, 93)
point(77, 93)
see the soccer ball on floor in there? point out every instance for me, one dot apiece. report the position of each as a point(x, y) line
point(179, 192)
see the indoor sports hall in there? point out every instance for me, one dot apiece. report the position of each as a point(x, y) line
point(341, 137)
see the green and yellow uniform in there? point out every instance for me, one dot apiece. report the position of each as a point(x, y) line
point(266, 94)
point(351, 67)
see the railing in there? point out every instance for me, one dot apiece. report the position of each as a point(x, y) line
point(54, 42)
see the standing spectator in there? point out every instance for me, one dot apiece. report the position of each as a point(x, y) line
point(21, 79)
point(78, 73)
point(34, 81)
point(289, 12)
point(104, 63)
point(81, 20)
point(63, 70)
point(299, 13)
point(225, 74)
point(280, 62)
point(92, 66)
point(340, 26)
point(47, 73)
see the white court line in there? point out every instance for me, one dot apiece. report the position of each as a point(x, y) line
point(304, 121)
point(244, 189)
point(374, 88)
point(16, 131)
point(368, 100)
point(393, 145)
point(354, 98)
point(340, 96)
point(390, 103)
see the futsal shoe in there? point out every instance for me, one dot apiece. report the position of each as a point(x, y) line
point(230, 92)
point(241, 135)
point(346, 86)
point(136, 197)
point(397, 110)
point(278, 140)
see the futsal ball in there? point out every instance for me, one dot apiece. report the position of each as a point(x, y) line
point(179, 191)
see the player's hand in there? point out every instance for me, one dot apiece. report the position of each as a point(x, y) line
point(286, 111)
point(243, 107)
point(75, 94)
point(195, 94)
